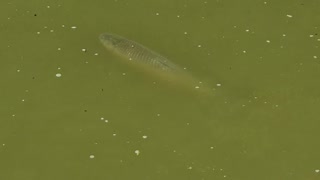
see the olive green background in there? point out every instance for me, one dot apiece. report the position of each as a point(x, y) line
point(263, 123)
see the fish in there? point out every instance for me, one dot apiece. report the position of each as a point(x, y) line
point(148, 60)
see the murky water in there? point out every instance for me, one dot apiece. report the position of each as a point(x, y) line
point(71, 110)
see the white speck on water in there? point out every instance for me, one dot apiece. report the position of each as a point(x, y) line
point(130, 59)
point(51, 30)
point(265, 2)
point(178, 16)
point(219, 85)
point(247, 30)
point(91, 156)
point(18, 70)
point(190, 167)
point(73, 27)
point(102, 118)
point(22, 100)
point(211, 147)
point(106, 121)
point(317, 170)
point(185, 32)
point(289, 16)
point(315, 57)
point(157, 14)
point(144, 137)
point(59, 49)
point(83, 50)
point(284, 35)
point(124, 74)
point(199, 45)
point(58, 75)
point(137, 152)
point(244, 51)
point(96, 54)
point(114, 134)
point(196, 87)
point(318, 39)
point(3, 144)
point(63, 25)
point(268, 41)
point(311, 35)
point(38, 32)
point(13, 115)
point(158, 115)
point(48, 7)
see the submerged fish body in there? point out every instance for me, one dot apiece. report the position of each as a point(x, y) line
point(137, 53)
point(144, 57)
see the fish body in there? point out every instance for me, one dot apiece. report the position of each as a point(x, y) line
point(148, 59)
point(137, 53)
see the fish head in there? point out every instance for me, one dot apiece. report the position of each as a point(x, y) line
point(109, 40)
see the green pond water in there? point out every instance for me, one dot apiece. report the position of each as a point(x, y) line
point(70, 109)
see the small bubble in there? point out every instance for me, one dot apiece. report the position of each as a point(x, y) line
point(199, 46)
point(83, 50)
point(96, 54)
point(59, 49)
point(185, 32)
point(58, 75)
point(137, 152)
point(144, 137)
point(157, 14)
point(315, 57)
point(38, 32)
point(73, 27)
point(91, 156)
point(268, 41)
point(289, 16)
point(317, 170)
